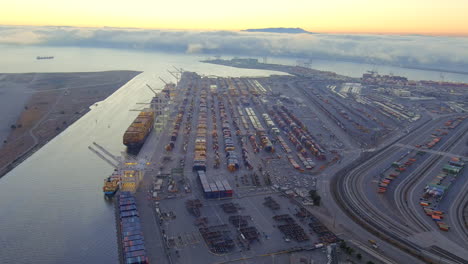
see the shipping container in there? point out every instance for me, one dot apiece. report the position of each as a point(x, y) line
point(138, 237)
point(128, 214)
point(136, 260)
point(133, 243)
point(134, 248)
point(133, 254)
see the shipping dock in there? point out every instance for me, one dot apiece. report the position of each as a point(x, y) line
point(213, 155)
point(237, 169)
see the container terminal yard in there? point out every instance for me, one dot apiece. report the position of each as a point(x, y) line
point(302, 168)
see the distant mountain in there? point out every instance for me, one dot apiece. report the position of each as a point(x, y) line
point(279, 30)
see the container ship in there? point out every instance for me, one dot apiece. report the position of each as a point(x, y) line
point(44, 57)
point(138, 131)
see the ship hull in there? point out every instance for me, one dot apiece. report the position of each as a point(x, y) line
point(110, 193)
point(137, 133)
point(135, 147)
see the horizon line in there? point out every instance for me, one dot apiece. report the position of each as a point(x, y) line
point(434, 34)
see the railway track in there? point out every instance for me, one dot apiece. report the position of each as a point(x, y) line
point(345, 190)
point(448, 255)
point(408, 184)
point(401, 196)
point(363, 207)
point(460, 220)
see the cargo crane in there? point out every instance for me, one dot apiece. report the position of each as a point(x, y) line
point(151, 89)
point(111, 183)
point(128, 171)
point(175, 75)
point(153, 102)
point(103, 157)
point(159, 105)
point(106, 152)
point(178, 70)
point(161, 80)
point(107, 156)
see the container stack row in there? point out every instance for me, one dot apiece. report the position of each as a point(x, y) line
point(306, 161)
point(398, 168)
point(245, 155)
point(437, 188)
point(199, 162)
point(296, 128)
point(283, 144)
point(270, 124)
point(259, 130)
point(231, 156)
point(215, 189)
point(293, 162)
point(178, 121)
point(134, 251)
point(188, 125)
point(242, 117)
point(214, 133)
point(257, 88)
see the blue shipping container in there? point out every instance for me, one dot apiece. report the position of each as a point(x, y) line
point(135, 254)
point(134, 248)
point(136, 260)
point(133, 238)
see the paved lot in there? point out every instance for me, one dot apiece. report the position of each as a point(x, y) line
point(171, 227)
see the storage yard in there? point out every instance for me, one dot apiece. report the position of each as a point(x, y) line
point(215, 187)
point(231, 172)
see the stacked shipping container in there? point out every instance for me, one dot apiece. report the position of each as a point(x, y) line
point(260, 131)
point(199, 162)
point(177, 123)
point(297, 132)
point(214, 190)
point(436, 189)
point(133, 250)
point(231, 156)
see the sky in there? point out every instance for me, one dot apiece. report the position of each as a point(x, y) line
point(431, 17)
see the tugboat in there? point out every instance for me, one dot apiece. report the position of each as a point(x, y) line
point(111, 185)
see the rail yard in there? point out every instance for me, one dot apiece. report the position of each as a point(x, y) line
point(279, 169)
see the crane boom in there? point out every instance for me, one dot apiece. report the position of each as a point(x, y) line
point(151, 89)
point(162, 80)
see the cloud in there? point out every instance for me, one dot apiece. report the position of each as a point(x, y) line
point(19, 36)
point(408, 50)
point(194, 48)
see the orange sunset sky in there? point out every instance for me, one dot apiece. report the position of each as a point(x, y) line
point(448, 17)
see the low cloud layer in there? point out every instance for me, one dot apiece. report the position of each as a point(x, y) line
point(414, 51)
